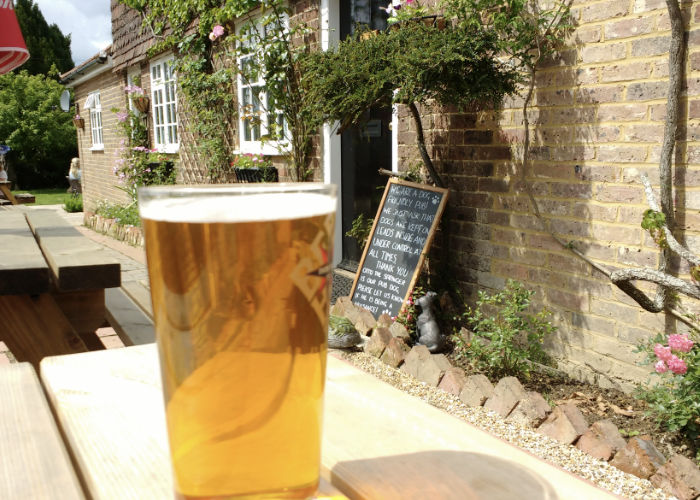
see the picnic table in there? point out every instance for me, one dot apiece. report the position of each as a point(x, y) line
point(378, 442)
point(52, 285)
point(14, 199)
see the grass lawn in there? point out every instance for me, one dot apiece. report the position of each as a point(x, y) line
point(52, 196)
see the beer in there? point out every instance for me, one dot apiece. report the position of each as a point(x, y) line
point(240, 301)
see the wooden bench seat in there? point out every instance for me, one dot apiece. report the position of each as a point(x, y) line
point(132, 324)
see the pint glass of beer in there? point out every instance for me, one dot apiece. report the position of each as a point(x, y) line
point(240, 284)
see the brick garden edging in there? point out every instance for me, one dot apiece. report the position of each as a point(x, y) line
point(128, 234)
point(678, 476)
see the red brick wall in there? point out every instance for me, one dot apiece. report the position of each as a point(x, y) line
point(597, 123)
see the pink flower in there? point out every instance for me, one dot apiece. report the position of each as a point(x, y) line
point(663, 352)
point(122, 116)
point(680, 343)
point(660, 367)
point(133, 89)
point(216, 32)
point(677, 365)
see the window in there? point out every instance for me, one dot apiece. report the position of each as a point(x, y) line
point(93, 104)
point(259, 118)
point(164, 106)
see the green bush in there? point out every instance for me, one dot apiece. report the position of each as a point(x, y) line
point(361, 227)
point(126, 215)
point(674, 400)
point(73, 203)
point(506, 337)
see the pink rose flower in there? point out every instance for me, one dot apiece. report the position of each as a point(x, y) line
point(680, 343)
point(660, 367)
point(662, 352)
point(216, 32)
point(677, 365)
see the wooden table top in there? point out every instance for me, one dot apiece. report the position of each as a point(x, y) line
point(378, 441)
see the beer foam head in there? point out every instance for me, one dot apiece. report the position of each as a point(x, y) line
point(235, 204)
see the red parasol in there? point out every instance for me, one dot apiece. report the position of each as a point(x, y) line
point(13, 51)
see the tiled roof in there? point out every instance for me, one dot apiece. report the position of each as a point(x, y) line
point(130, 40)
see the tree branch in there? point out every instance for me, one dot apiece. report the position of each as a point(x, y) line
point(421, 146)
point(670, 239)
point(654, 276)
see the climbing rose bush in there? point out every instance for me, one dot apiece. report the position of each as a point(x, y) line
point(674, 397)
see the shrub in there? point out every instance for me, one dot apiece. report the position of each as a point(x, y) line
point(73, 203)
point(674, 401)
point(504, 343)
point(126, 215)
point(361, 227)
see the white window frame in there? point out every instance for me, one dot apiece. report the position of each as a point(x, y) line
point(166, 137)
point(249, 140)
point(94, 104)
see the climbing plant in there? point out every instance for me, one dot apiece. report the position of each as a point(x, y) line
point(208, 48)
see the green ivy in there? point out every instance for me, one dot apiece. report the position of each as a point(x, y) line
point(209, 87)
point(654, 222)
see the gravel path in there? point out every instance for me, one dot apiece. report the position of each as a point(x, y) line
point(565, 456)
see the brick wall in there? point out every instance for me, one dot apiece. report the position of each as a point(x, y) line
point(597, 123)
point(98, 179)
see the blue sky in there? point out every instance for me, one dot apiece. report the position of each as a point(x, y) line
point(88, 22)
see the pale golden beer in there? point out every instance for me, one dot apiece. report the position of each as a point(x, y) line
point(240, 288)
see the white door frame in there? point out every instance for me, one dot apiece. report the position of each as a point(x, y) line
point(330, 141)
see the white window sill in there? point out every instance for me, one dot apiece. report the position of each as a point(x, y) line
point(267, 149)
point(98, 148)
point(169, 149)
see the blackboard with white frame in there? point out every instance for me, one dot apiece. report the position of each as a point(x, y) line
point(401, 235)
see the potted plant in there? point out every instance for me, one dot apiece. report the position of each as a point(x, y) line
point(138, 97)
point(250, 167)
point(79, 122)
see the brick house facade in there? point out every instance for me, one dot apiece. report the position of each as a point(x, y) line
point(597, 121)
point(97, 159)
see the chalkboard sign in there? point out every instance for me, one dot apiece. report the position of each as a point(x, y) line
point(401, 235)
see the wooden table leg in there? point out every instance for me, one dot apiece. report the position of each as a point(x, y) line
point(85, 310)
point(5, 188)
point(33, 327)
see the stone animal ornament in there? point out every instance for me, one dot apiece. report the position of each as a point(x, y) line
point(426, 325)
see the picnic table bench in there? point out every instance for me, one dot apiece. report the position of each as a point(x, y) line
point(52, 285)
point(14, 199)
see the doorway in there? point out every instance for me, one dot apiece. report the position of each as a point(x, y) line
point(363, 149)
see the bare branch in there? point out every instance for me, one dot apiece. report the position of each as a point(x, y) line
point(671, 240)
point(421, 146)
point(654, 276)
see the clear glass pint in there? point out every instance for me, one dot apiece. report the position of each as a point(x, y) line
point(240, 284)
